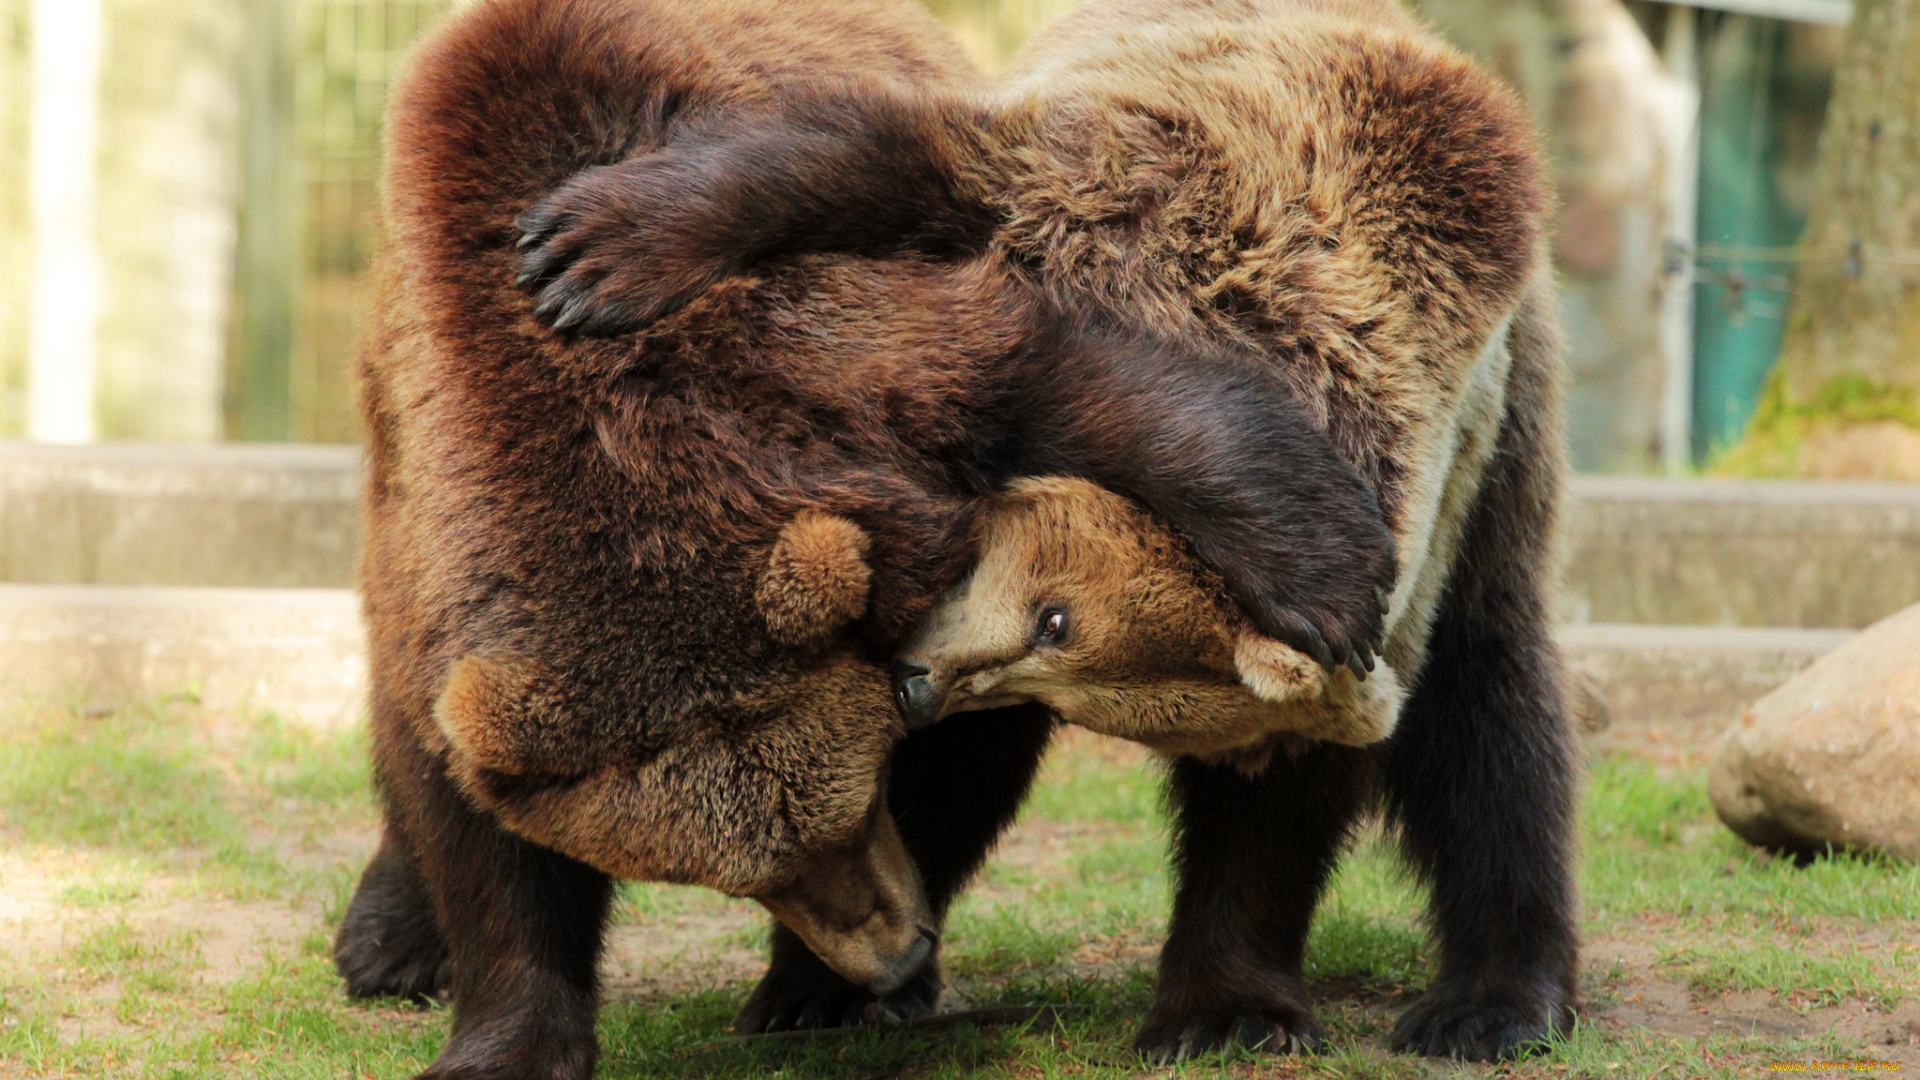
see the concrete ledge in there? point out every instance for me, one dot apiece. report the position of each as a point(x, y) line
point(300, 652)
point(260, 515)
point(1740, 552)
point(1687, 682)
point(1640, 549)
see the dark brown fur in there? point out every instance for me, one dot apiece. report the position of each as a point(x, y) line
point(595, 646)
point(1321, 183)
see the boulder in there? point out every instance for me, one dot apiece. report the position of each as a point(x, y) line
point(1833, 755)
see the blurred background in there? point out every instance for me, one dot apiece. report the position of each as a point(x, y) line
point(187, 209)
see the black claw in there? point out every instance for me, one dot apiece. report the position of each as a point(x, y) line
point(1318, 648)
point(1252, 1034)
point(571, 314)
point(539, 264)
point(612, 319)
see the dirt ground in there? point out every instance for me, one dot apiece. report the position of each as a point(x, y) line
point(716, 944)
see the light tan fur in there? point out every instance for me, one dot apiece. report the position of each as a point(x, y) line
point(816, 579)
point(1154, 652)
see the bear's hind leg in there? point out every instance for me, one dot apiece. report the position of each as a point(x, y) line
point(1480, 772)
point(389, 943)
point(953, 789)
point(1253, 854)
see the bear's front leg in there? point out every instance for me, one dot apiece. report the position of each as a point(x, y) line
point(1253, 854)
point(1480, 772)
point(389, 943)
point(1481, 781)
point(522, 925)
point(617, 247)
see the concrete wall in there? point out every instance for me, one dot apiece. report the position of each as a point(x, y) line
point(299, 652)
point(1740, 552)
point(1639, 550)
point(120, 542)
point(259, 515)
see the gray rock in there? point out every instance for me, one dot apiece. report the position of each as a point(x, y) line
point(1833, 755)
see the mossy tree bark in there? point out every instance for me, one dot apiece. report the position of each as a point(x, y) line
point(1855, 317)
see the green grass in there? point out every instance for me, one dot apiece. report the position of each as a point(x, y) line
point(1652, 844)
point(158, 807)
point(1819, 973)
point(124, 781)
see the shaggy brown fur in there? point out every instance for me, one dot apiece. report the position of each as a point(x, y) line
point(630, 600)
point(1322, 184)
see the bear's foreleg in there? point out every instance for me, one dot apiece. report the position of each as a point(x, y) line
point(1253, 855)
point(389, 942)
point(1209, 439)
point(953, 789)
point(522, 927)
point(616, 247)
point(1480, 772)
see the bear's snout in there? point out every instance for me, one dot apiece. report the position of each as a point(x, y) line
point(914, 695)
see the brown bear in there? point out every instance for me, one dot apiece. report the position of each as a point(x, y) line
point(632, 600)
point(1087, 603)
point(1325, 185)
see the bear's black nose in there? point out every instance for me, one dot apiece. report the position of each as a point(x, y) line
point(913, 694)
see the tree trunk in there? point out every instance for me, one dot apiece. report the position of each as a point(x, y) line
point(1854, 327)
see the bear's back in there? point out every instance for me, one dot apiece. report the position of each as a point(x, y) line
point(602, 501)
point(1321, 179)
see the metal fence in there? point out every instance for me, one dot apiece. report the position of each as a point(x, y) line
point(296, 385)
point(264, 115)
point(237, 212)
point(350, 53)
point(298, 325)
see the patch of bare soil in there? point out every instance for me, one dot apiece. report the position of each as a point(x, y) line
point(1625, 991)
point(42, 933)
point(683, 954)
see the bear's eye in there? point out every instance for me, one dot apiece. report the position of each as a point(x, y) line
point(1052, 629)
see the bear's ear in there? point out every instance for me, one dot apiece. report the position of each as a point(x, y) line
point(1276, 672)
point(815, 581)
point(481, 712)
point(1332, 706)
point(497, 716)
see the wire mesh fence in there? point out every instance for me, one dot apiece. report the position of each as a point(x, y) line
point(346, 55)
point(245, 133)
point(350, 50)
point(236, 166)
point(308, 232)
point(238, 211)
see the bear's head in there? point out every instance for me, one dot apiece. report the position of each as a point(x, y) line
point(1084, 601)
point(778, 794)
